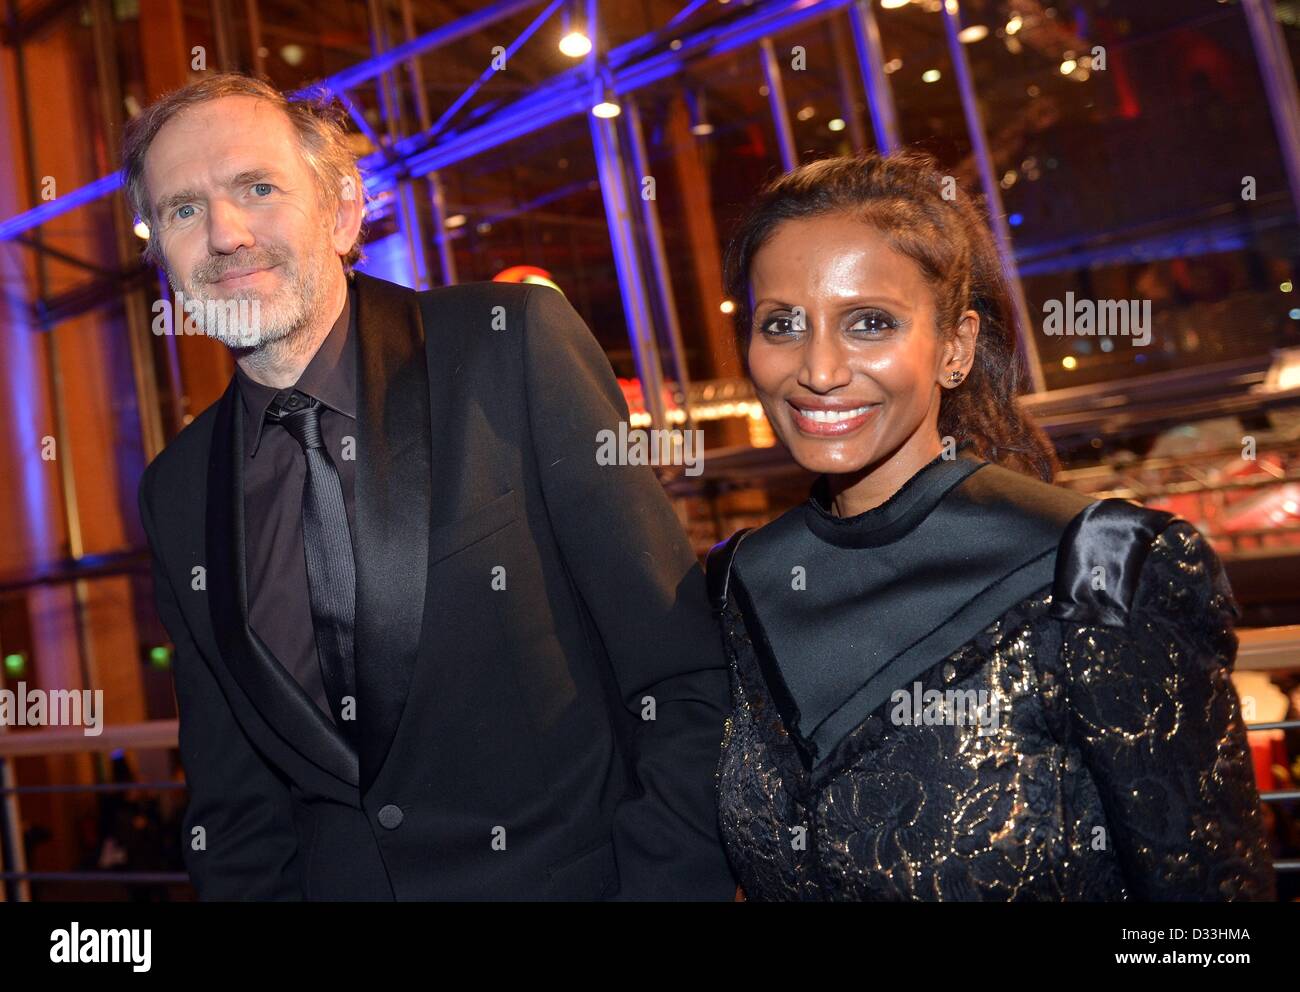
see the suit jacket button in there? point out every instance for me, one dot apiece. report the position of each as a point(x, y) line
point(390, 816)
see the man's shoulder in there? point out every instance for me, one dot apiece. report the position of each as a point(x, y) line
point(477, 291)
point(471, 303)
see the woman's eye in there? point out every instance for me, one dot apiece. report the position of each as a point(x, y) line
point(262, 189)
point(874, 324)
point(778, 326)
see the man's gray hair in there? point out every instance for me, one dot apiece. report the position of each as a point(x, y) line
point(317, 121)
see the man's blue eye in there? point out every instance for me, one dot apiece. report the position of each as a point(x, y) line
point(180, 211)
point(259, 189)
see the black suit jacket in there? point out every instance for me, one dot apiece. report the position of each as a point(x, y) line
point(503, 750)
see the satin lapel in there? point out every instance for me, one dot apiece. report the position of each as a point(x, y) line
point(393, 498)
point(276, 694)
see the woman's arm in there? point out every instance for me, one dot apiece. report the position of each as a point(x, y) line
point(1157, 718)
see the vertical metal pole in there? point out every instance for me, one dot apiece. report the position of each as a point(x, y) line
point(407, 209)
point(658, 257)
point(438, 209)
point(776, 99)
point(844, 79)
point(10, 814)
point(437, 203)
point(993, 196)
point(871, 62)
point(254, 15)
point(221, 34)
point(4, 828)
point(1279, 84)
point(37, 494)
point(12, 817)
point(409, 219)
point(137, 312)
point(418, 96)
point(173, 358)
point(390, 106)
point(618, 216)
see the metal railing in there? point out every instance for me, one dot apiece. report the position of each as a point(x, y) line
point(1261, 649)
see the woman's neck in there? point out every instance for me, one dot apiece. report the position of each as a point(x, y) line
point(867, 488)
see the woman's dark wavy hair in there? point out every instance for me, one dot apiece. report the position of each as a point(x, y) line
point(903, 197)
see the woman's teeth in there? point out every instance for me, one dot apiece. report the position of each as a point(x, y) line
point(833, 416)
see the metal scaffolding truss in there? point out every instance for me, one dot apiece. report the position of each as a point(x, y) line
point(402, 172)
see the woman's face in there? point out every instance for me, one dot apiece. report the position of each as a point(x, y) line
point(843, 350)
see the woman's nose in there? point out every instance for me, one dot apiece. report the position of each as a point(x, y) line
point(825, 364)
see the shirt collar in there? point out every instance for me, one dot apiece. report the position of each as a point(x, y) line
point(330, 377)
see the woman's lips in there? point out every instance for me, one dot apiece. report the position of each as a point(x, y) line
point(831, 423)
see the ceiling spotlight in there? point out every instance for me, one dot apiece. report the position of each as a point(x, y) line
point(972, 34)
point(930, 76)
point(575, 44)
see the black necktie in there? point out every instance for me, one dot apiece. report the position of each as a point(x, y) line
point(327, 541)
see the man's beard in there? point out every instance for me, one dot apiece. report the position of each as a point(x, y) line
point(248, 319)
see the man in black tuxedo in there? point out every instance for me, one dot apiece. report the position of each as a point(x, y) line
point(426, 647)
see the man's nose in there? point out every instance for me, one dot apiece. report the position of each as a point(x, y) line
point(228, 230)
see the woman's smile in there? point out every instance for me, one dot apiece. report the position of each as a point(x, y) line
point(820, 418)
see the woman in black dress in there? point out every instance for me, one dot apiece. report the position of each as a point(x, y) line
point(951, 679)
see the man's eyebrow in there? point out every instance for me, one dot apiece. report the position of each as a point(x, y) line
point(183, 196)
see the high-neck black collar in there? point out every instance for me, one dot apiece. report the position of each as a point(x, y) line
point(899, 514)
point(844, 611)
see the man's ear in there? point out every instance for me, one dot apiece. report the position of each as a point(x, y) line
point(348, 216)
point(959, 349)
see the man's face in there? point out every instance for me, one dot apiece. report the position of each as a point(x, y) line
point(240, 216)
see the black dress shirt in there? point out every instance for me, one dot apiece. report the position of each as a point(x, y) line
point(279, 603)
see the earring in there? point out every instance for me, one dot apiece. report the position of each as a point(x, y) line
point(955, 376)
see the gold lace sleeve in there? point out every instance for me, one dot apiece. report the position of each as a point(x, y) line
point(1159, 725)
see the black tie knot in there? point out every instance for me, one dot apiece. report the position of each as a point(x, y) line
point(300, 416)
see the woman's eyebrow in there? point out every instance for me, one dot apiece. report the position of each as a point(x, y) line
point(849, 304)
